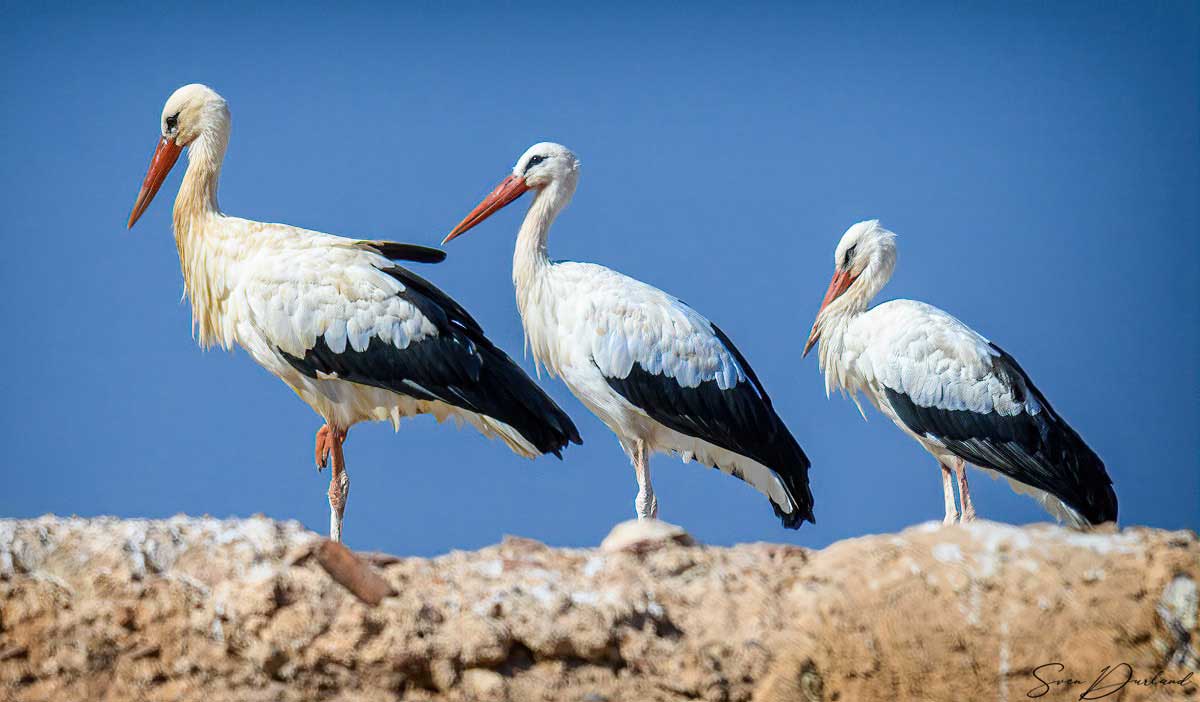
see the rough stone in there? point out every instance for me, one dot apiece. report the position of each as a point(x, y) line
point(199, 608)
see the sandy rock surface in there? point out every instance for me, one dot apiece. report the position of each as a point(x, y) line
point(198, 608)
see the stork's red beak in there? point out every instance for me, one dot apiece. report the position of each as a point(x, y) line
point(509, 189)
point(160, 165)
point(842, 280)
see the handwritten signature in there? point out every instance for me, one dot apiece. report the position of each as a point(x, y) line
point(1111, 680)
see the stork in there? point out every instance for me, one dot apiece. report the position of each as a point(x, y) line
point(962, 397)
point(656, 372)
point(356, 336)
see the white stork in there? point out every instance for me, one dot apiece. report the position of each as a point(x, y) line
point(358, 337)
point(656, 372)
point(959, 395)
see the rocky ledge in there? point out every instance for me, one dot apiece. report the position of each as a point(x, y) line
point(252, 609)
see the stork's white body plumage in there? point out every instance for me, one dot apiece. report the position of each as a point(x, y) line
point(959, 395)
point(356, 336)
point(656, 372)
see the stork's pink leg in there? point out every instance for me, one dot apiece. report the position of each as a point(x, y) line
point(964, 493)
point(339, 479)
point(948, 494)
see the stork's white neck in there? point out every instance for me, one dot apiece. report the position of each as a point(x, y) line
point(198, 192)
point(195, 214)
point(530, 258)
point(531, 272)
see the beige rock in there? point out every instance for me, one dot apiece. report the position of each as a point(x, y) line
point(988, 611)
point(643, 535)
point(187, 609)
point(484, 685)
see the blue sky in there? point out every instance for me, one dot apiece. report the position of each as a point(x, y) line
point(1039, 164)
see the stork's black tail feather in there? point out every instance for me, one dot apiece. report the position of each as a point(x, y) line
point(498, 388)
point(512, 397)
point(1091, 492)
point(791, 465)
point(738, 419)
point(785, 458)
point(1066, 466)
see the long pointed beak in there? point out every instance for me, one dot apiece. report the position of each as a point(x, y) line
point(509, 189)
point(160, 165)
point(842, 280)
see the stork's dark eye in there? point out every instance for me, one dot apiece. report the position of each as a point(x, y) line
point(533, 162)
point(849, 256)
point(172, 122)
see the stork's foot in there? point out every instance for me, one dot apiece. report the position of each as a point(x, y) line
point(323, 446)
point(325, 439)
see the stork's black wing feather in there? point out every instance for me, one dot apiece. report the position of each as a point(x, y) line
point(1037, 448)
point(433, 303)
point(459, 366)
point(740, 419)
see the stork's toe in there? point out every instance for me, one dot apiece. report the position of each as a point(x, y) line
point(324, 445)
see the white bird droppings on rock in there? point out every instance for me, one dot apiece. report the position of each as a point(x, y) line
point(947, 553)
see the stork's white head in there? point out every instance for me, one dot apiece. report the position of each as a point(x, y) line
point(191, 112)
point(543, 166)
point(862, 264)
point(864, 245)
point(546, 163)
